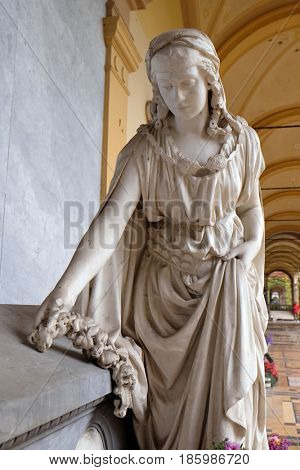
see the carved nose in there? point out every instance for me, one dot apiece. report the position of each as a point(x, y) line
point(179, 98)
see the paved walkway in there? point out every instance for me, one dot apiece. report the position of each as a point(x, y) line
point(283, 400)
point(281, 315)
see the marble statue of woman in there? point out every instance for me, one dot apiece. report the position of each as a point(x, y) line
point(172, 265)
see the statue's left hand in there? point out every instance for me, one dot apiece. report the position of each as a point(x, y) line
point(49, 311)
point(246, 252)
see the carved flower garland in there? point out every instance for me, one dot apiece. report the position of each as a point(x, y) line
point(85, 334)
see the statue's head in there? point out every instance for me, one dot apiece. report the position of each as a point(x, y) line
point(187, 57)
point(180, 81)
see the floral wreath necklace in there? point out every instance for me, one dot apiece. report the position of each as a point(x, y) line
point(214, 163)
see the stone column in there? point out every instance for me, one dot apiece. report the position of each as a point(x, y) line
point(122, 58)
point(296, 288)
point(266, 290)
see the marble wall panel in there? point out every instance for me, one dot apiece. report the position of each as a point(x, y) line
point(52, 57)
point(8, 35)
point(67, 38)
point(52, 161)
point(11, 8)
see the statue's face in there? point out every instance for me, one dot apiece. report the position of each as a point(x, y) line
point(182, 84)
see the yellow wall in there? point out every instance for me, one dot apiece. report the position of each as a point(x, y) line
point(117, 116)
point(159, 16)
point(138, 84)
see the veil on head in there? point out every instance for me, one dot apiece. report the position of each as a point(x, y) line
point(221, 121)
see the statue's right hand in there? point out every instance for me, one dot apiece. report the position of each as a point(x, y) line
point(49, 309)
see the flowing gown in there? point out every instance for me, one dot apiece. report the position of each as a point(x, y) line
point(193, 323)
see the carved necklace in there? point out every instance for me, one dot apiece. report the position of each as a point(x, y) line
point(214, 163)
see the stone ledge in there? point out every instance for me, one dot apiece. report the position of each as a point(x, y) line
point(284, 332)
point(36, 388)
point(43, 430)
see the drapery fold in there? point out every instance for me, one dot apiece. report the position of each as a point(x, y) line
point(205, 366)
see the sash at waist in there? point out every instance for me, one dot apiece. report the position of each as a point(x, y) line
point(188, 245)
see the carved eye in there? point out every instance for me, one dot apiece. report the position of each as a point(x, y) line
point(167, 87)
point(188, 83)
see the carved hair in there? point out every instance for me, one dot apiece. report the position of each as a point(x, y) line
point(221, 120)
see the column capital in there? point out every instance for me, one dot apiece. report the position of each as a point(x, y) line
point(117, 35)
point(137, 4)
point(124, 7)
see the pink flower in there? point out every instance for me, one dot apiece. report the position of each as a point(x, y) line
point(226, 444)
point(276, 443)
point(230, 445)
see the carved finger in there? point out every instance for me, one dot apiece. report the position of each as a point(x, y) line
point(42, 314)
point(231, 254)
